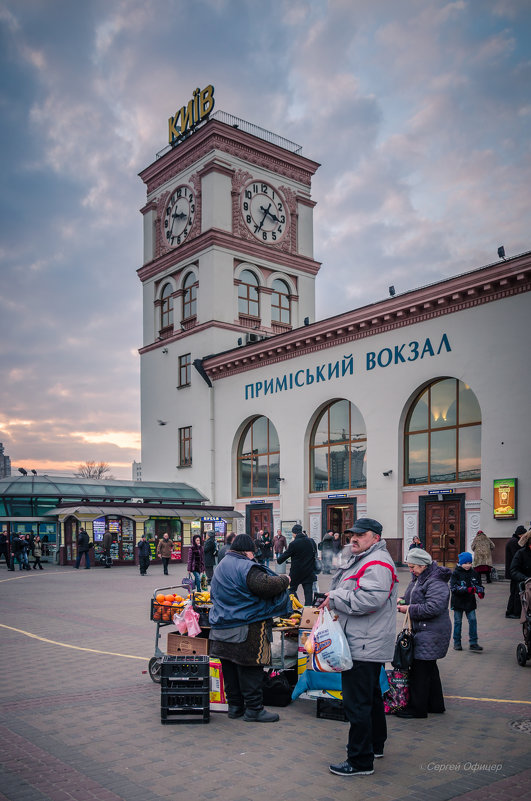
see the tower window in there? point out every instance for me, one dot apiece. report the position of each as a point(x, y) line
point(166, 306)
point(248, 299)
point(185, 446)
point(190, 296)
point(280, 303)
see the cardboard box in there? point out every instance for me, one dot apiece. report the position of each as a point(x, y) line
point(179, 645)
point(309, 616)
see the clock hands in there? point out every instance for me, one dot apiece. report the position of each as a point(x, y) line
point(266, 212)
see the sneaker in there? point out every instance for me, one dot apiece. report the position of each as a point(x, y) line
point(378, 756)
point(458, 647)
point(476, 647)
point(346, 769)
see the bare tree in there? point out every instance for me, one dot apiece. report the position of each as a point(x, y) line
point(98, 470)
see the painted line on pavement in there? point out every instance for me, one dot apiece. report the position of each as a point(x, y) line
point(75, 647)
point(492, 700)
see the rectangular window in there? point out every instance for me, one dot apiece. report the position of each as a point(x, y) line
point(185, 364)
point(185, 446)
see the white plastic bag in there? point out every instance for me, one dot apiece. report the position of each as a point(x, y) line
point(329, 647)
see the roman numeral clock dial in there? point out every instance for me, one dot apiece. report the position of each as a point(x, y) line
point(179, 215)
point(264, 211)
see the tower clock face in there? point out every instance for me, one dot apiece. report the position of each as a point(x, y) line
point(178, 215)
point(264, 211)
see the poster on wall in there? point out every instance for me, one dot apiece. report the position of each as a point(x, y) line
point(505, 499)
point(285, 527)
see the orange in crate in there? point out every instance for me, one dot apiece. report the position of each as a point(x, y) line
point(170, 597)
point(160, 598)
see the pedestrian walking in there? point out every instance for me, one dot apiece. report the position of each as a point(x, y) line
point(107, 544)
point(465, 585)
point(482, 548)
point(144, 555)
point(210, 550)
point(164, 550)
point(302, 552)
point(4, 548)
point(196, 560)
point(279, 543)
point(37, 552)
point(83, 549)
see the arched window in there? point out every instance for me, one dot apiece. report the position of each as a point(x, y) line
point(166, 306)
point(258, 459)
point(442, 439)
point(248, 302)
point(338, 449)
point(280, 304)
point(189, 296)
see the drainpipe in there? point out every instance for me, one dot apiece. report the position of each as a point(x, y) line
point(198, 364)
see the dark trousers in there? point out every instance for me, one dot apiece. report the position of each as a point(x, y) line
point(425, 689)
point(165, 563)
point(80, 554)
point(243, 684)
point(514, 605)
point(37, 563)
point(307, 588)
point(144, 564)
point(363, 704)
point(6, 557)
point(209, 571)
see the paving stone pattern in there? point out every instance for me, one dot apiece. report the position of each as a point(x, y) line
point(77, 725)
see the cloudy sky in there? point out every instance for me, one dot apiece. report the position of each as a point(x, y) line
point(418, 110)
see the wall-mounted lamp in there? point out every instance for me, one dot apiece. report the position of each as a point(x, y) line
point(21, 470)
point(387, 473)
point(501, 252)
point(164, 350)
point(306, 321)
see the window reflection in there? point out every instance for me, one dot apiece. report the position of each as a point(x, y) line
point(258, 459)
point(443, 435)
point(338, 449)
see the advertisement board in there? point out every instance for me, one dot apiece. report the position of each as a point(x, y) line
point(504, 502)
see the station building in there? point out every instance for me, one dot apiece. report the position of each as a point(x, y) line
point(413, 410)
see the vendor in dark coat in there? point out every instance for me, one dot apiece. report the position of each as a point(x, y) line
point(302, 552)
point(245, 597)
point(426, 597)
point(514, 606)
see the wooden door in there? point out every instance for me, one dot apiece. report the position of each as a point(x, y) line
point(260, 520)
point(443, 531)
point(340, 518)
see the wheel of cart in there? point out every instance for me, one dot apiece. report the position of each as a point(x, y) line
point(155, 661)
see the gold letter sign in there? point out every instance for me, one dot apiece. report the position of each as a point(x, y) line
point(190, 115)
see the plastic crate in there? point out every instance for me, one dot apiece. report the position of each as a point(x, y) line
point(185, 706)
point(331, 709)
point(185, 667)
point(173, 684)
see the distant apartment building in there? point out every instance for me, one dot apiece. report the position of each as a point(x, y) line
point(5, 463)
point(136, 471)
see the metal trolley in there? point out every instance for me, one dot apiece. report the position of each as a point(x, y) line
point(156, 660)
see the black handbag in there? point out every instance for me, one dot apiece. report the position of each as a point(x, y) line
point(277, 689)
point(403, 656)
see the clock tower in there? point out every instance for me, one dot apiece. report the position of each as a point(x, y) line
point(228, 260)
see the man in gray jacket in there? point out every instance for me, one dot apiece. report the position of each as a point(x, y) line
point(363, 594)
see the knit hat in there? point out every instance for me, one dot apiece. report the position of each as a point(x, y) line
point(366, 524)
point(465, 557)
point(519, 531)
point(525, 539)
point(418, 556)
point(296, 529)
point(243, 542)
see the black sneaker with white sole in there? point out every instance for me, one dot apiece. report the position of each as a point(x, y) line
point(346, 769)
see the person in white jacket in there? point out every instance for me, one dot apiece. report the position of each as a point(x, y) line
point(363, 594)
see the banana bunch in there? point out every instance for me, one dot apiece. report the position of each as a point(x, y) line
point(289, 622)
point(296, 604)
point(202, 597)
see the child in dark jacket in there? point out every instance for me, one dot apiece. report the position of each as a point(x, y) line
point(465, 584)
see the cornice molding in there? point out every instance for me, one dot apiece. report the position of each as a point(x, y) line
point(251, 252)
point(487, 285)
point(215, 135)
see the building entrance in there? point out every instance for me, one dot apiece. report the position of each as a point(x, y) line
point(259, 518)
point(444, 530)
point(338, 516)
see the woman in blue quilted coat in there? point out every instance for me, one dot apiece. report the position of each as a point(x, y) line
point(426, 597)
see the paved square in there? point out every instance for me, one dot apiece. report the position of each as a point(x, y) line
point(80, 717)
